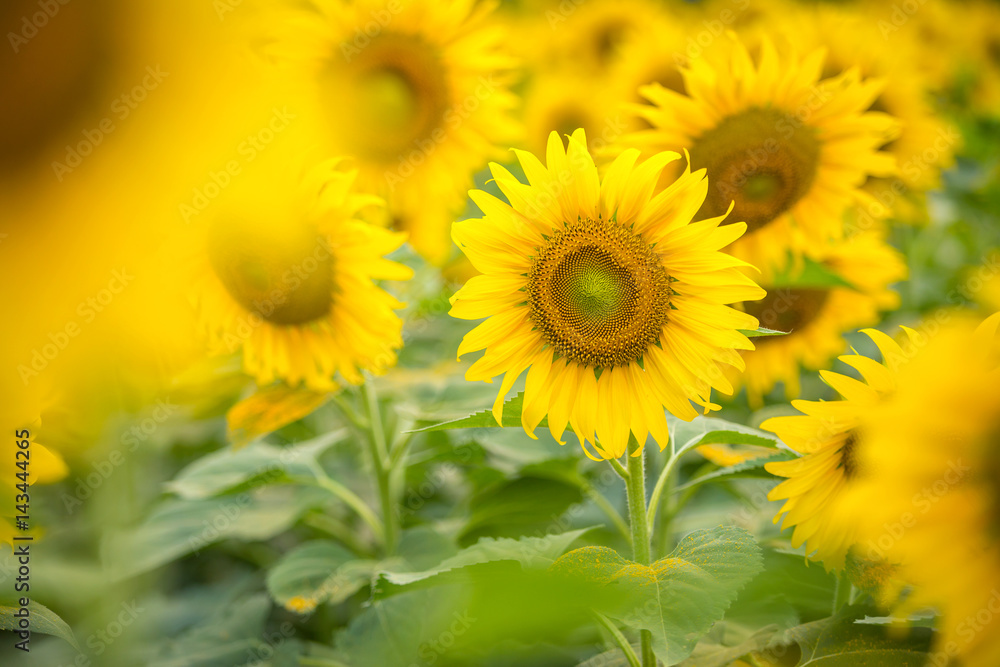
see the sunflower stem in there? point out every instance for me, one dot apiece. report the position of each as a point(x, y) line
point(382, 465)
point(636, 487)
point(616, 634)
point(619, 468)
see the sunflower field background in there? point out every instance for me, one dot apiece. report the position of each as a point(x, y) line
point(398, 333)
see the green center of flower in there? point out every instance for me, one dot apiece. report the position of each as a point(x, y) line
point(598, 294)
point(284, 274)
point(787, 309)
point(388, 98)
point(761, 159)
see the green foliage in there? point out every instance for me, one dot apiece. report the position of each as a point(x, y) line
point(42, 620)
point(677, 598)
point(845, 640)
point(318, 571)
point(529, 552)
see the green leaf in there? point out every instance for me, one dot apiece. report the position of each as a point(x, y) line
point(254, 465)
point(484, 418)
point(813, 274)
point(318, 572)
point(530, 552)
point(713, 431)
point(677, 598)
point(844, 640)
point(41, 619)
point(177, 527)
point(750, 468)
point(226, 638)
point(761, 332)
point(723, 656)
point(518, 507)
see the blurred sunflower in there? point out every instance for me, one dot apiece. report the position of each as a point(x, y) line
point(45, 466)
point(419, 97)
point(817, 317)
point(790, 149)
point(285, 271)
point(926, 143)
point(606, 294)
point(592, 36)
point(829, 435)
point(565, 101)
point(935, 504)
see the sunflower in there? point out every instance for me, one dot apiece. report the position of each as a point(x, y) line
point(790, 149)
point(934, 505)
point(926, 143)
point(418, 95)
point(286, 273)
point(828, 436)
point(566, 101)
point(611, 298)
point(592, 37)
point(817, 316)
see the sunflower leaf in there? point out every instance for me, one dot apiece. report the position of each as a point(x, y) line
point(484, 418)
point(42, 620)
point(316, 572)
point(762, 332)
point(530, 552)
point(845, 640)
point(677, 598)
point(750, 468)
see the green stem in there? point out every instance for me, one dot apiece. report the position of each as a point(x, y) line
point(665, 475)
point(338, 531)
point(351, 499)
point(623, 644)
point(381, 463)
point(842, 593)
point(636, 486)
point(616, 464)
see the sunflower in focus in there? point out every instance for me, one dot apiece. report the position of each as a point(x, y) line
point(418, 96)
point(934, 507)
point(610, 297)
point(286, 273)
point(817, 317)
point(828, 436)
point(789, 148)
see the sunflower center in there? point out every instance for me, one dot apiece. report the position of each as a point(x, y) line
point(787, 309)
point(392, 95)
point(762, 159)
point(598, 294)
point(849, 456)
point(51, 79)
point(283, 274)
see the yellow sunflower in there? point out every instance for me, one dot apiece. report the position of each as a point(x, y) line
point(934, 505)
point(610, 297)
point(789, 148)
point(285, 272)
point(816, 318)
point(415, 91)
point(926, 143)
point(565, 101)
point(591, 36)
point(829, 436)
